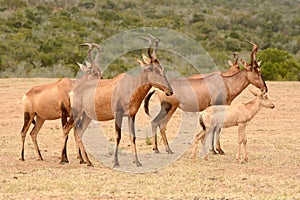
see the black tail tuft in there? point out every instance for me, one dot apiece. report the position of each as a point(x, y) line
point(146, 102)
point(202, 123)
point(33, 122)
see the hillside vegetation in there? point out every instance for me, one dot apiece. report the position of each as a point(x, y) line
point(42, 37)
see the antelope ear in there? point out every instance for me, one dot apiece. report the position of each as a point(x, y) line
point(141, 63)
point(88, 65)
point(247, 66)
point(259, 62)
point(146, 59)
point(230, 63)
point(82, 67)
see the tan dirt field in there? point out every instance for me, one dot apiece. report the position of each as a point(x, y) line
point(273, 170)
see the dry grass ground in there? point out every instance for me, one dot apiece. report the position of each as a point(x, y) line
point(271, 173)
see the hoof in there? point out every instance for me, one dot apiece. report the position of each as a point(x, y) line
point(138, 164)
point(63, 162)
point(169, 151)
point(22, 159)
point(82, 162)
point(220, 151)
point(116, 165)
point(155, 151)
point(243, 162)
point(90, 165)
point(213, 152)
point(193, 158)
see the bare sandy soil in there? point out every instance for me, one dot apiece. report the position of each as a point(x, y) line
point(271, 173)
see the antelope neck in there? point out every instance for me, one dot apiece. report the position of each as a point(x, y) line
point(235, 84)
point(253, 107)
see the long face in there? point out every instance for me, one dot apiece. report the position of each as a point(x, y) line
point(256, 79)
point(155, 76)
point(265, 101)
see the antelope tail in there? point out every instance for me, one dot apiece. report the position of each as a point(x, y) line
point(202, 123)
point(146, 102)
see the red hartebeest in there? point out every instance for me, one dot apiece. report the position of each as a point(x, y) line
point(196, 94)
point(109, 99)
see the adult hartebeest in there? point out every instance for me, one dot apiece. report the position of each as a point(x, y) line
point(196, 94)
point(50, 102)
point(108, 99)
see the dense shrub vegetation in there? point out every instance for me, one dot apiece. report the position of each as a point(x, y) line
point(41, 37)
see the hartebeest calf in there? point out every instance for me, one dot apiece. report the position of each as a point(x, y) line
point(50, 102)
point(214, 118)
point(108, 99)
point(196, 94)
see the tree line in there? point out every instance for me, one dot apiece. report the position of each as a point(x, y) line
point(42, 37)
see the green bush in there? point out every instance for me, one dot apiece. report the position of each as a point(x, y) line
point(36, 35)
point(278, 65)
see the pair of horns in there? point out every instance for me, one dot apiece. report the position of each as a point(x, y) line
point(91, 64)
point(150, 40)
point(90, 51)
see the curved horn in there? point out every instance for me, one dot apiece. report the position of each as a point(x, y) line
point(149, 48)
point(89, 50)
point(98, 52)
point(236, 57)
point(95, 65)
point(156, 45)
point(253, 54)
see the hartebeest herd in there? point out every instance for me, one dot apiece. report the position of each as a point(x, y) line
point(90, 97)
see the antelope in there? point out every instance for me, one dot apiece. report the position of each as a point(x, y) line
point(45, 102)
point(108, 99)
point(213, 118)
point(48, 102)
point(196, 94)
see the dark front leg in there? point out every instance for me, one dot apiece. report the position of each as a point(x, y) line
point(217, 144)
point(131, 125)
point(67, 126)
point(169, 110)
point(118, 126)
point(218, 148)
point(27, 121)
point(161, 120)
point(38, 125)
point(81, 147)
point(154, 137)
point(165, 140)
point(154, 124)
point(64, 157)
point(81, 125)
point(207, 143)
